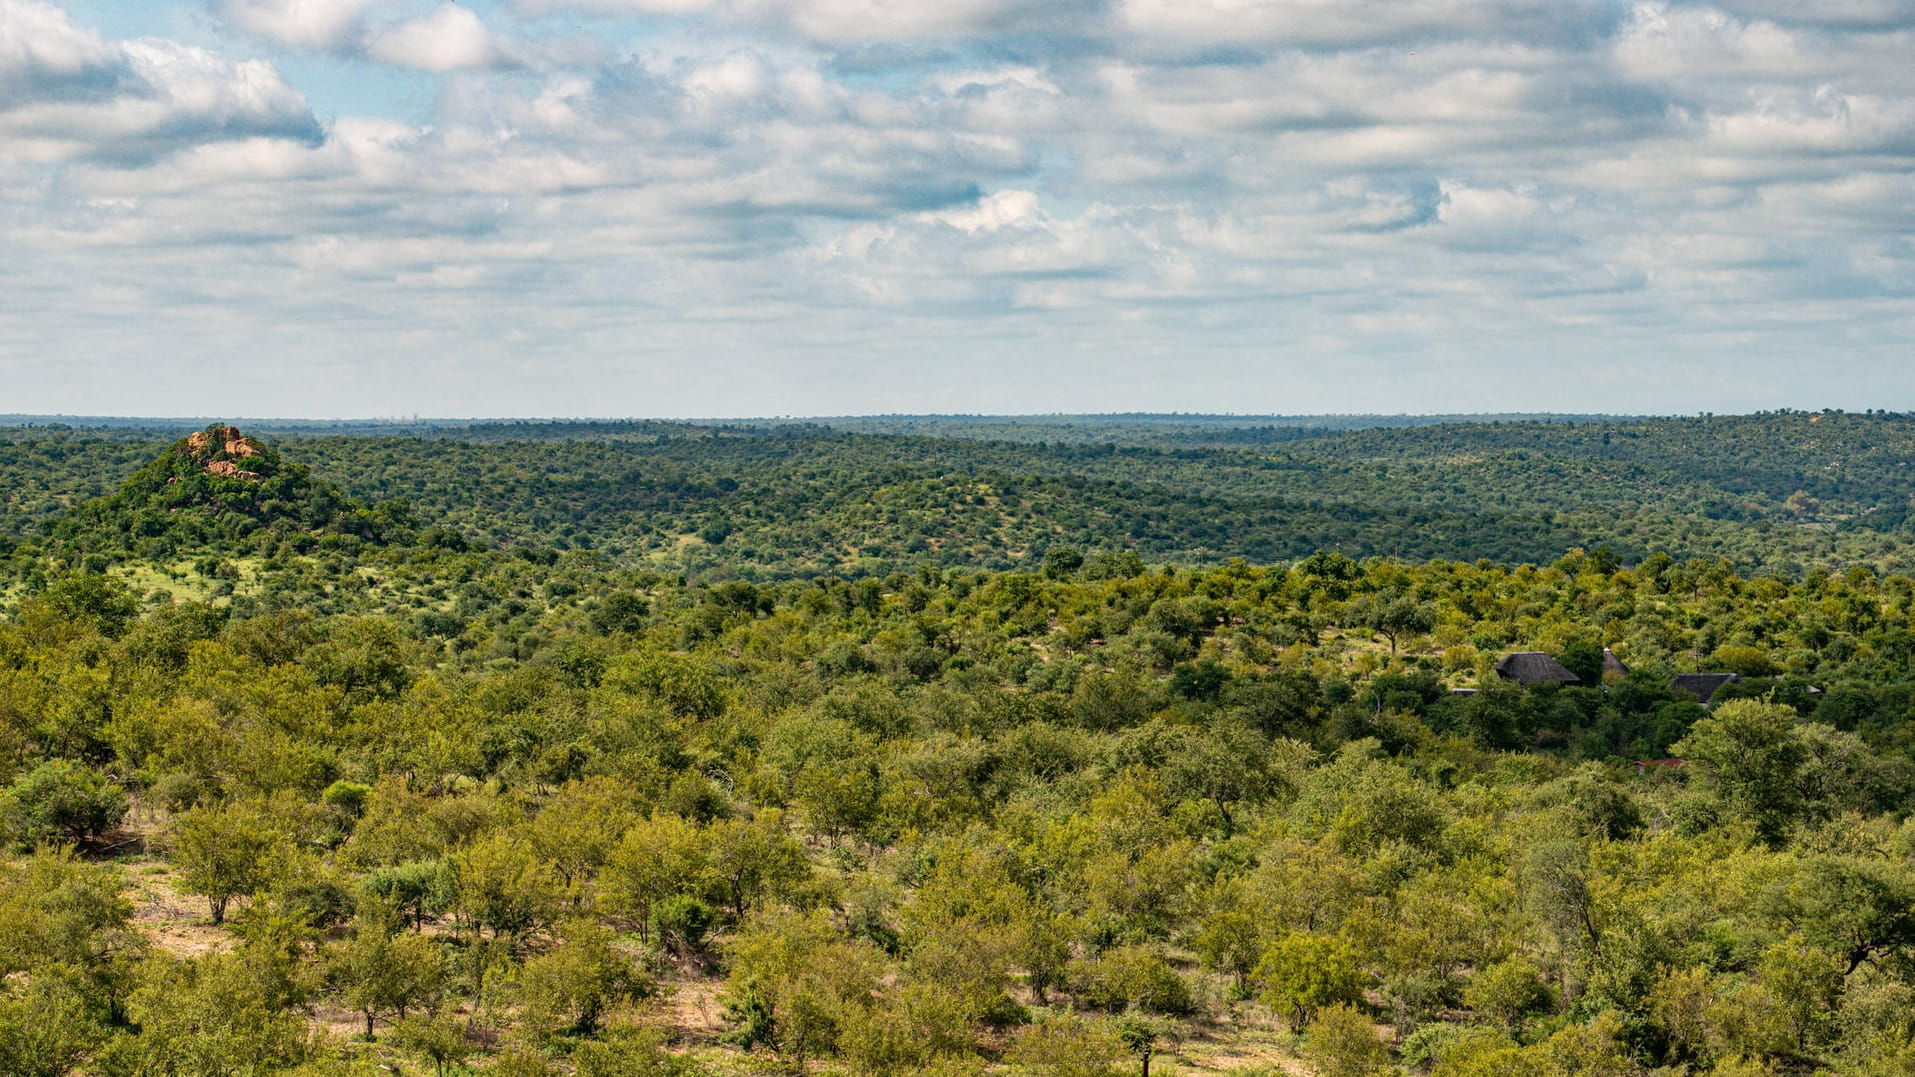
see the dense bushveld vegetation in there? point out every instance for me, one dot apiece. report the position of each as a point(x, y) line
point(377, 798)
point(1775, 492)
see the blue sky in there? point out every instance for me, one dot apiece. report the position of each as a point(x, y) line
point(748, 207)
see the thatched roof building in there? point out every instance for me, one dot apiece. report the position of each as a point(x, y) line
point(1534, 667)
point(1612, 666)
point(1702, 687)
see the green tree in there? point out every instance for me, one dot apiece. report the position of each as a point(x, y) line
point(680, 923)
point(568, 988)
point(223, 851)
point(753, 857)
point(91, 599)
point(1140, 1038)
point(794, 977)
point(1301, 973)
point(1507, 992)
point(500, 884)
point(63, 801)
point(657, 858)
point(1396, 617)
point(212, 1016)
point(62, 915)
point(386, 973)
point(1132, 978)
point(581, 824)
point(632, 1053)
point(1060, 1045)
point(46, 1027)
point(436, 1039)
point(1750, 754)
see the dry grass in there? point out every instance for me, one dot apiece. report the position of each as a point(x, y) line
point(175, 921)
point(689, 1011)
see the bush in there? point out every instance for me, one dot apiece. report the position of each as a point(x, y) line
point(438, 1040)
point(1508, 991)
point(347, 797)
point(1132, 977)
point(570, 987)
point(417, 889)
point(318, 901)
point(61, 801)
point(1343, 1044)
point(45, 1029)
point(1303, 973)
point(631, 1054)
point(680, 923)
point(1065, 1046)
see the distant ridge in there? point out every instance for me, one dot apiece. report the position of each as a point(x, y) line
point(1786, 492)
point(1339, 420)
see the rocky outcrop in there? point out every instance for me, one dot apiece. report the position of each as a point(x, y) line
point(231, 470)
point(218, 448)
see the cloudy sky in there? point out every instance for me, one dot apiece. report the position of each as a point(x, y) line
point(763, 207)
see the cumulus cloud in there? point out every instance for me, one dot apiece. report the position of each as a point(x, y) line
point(449, 38)
point(1000, 209)
point(446, 38)
point(317, 24)
point(858, 22)
point(852, 21)
point(73, 94)
point(1845, 14)
point(829, 198)
point(42, 53)
point(1171, 26)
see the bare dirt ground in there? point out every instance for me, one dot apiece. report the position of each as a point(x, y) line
point(1238, 1039)
point(690, 1011)
point(176, 922)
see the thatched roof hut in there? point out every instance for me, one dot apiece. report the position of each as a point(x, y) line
point(1612, 666)
point(1702, 687)
point(1534, 667)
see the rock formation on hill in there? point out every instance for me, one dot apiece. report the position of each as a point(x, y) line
point(215, 486)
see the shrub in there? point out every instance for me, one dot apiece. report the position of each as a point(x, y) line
point(347, 797)
point(1132, 977)
point(1342, 1044)
point(570, 987)
point(61, 801)
point(1302, 973)
point(1508, 991)
point(1066, 1046)
point(417, 888)
point(680, 923)
point(631, 1054)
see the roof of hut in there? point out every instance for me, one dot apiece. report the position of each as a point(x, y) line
point(1702, 686)
point(1534, 667)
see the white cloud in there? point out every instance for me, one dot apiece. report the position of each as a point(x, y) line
point(620, 7)
point(73, 94)
point(1201, 197)
point(448, 39)
point(38, 41)
point(852, 22)
point(1661, 41)
point(1858, 14)
point(1020, 77)
point(1480, 219)
point(1173, 26)
point(315, 24)
point(1000, 210)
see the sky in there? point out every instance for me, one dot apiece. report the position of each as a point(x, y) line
point(674, 208)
